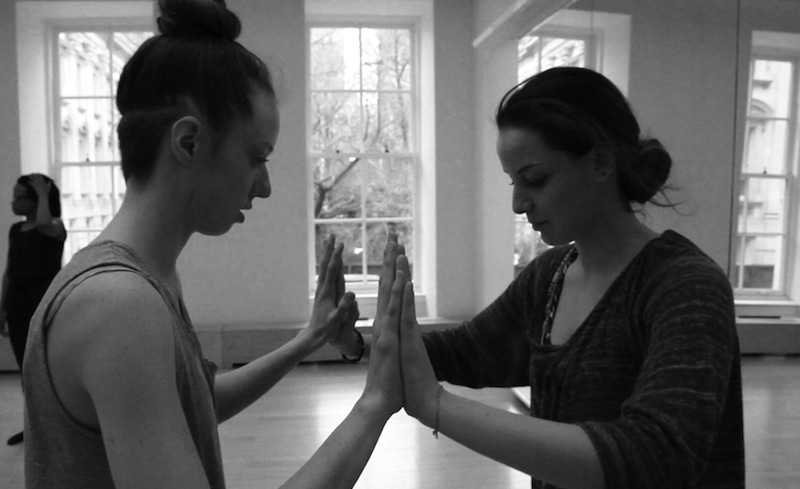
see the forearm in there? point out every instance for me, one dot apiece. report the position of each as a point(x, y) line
point(237, 389)
point(4, 291)
point(558, 453)
point(340, 460)
point(44, 219)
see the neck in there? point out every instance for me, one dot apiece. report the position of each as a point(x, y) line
point(612, 243)
point(151, 224)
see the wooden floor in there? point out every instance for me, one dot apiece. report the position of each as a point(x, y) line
point(265, 444)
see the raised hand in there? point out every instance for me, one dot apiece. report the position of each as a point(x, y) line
point(40, 185)
point(390, 253)
point(335, 311)
point(384, 385)
point(420, 387)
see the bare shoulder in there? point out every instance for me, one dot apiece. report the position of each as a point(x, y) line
point(112, 332)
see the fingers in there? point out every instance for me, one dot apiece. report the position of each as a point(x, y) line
point(327, 251)
point(333, 274)
point(347, 308)
point(353, 314)
point(386, 344)
point(387, 271)
point(340, 278)
point(408, 313)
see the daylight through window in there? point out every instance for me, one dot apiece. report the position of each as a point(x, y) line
point(362, 143)
point(87, 70)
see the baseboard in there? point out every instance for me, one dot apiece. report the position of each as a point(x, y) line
point(769, 336)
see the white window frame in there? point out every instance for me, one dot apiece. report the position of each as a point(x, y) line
point(782, 302)
point(368, 288)
point(418, 13)
point(36, 22)
point(80, 237)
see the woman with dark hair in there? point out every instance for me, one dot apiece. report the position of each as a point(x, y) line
point(625, 336)
point(117, 391)
point(35, 249)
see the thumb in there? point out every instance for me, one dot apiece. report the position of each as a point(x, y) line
point(344, 308)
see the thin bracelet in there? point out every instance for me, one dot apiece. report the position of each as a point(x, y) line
point(436, 420)
point(360, 354)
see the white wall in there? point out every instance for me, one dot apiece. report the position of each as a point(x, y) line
point(9, 142)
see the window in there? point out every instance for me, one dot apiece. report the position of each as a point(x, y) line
point(767, 182)
point(86, 67)
point(539, 51)
point(362, 146)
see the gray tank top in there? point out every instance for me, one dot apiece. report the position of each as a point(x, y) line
point(60, 451)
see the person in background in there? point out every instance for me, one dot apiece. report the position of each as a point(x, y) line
point(625, 336)
point(35, 249)
point(118, 393)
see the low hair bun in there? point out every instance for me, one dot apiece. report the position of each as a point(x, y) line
point(649, 171)
point(200, 18)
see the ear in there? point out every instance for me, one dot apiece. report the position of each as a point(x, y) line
point(603, 165)
point(184, 138)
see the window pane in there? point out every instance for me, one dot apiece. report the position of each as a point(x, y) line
point(123, 46)
point(760, 261)
point(387, 122)
point(84, 67)
point(376, 242)
point(87, 131)
point(386, 59)
point(557, 51)
point(335, 123)
point(337, 188)
point(77, 240)
point(87, 200)
point(771, 88)
point(389, 186)
point(762, 206)
point(334, 60)
point(352, 256)
point(766, 146)
point(538, 53)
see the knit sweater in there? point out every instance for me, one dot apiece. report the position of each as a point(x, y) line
point(652, 375)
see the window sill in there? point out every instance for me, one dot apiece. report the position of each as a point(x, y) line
point(765, 308)
point(368, 304)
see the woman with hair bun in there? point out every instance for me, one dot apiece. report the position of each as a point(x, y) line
point(118, 393)
point(625, 336)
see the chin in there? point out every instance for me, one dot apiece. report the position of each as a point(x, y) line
point(215, 231)
point(554, 239)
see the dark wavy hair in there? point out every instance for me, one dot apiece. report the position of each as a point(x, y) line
point(195, 57)
point(576, 110)
point(53, 198)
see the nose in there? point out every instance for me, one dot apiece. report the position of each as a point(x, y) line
point(520, 202)
point(261, 186)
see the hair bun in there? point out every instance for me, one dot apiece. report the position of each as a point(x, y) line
point(202, 18)
point(651, 169)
